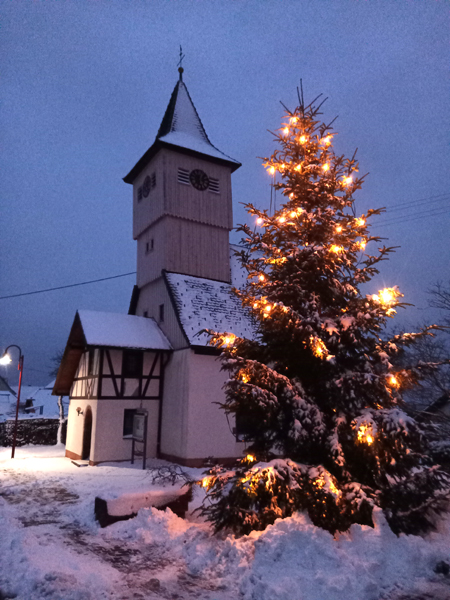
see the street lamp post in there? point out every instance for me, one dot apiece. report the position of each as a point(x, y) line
point(5, 360)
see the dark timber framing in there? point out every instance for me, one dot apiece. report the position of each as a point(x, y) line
point(119, 380)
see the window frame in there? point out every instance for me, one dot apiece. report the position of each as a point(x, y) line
point(128, 418)
point(130, 356)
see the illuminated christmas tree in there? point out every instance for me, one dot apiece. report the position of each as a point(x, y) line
point(315, 394)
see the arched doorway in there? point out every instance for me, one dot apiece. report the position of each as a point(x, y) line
point(87, 431)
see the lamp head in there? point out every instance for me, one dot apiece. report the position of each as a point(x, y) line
point(5, 359)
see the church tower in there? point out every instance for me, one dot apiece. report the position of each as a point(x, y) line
point(182, 204)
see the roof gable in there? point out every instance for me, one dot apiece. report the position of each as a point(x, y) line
point(104, 329)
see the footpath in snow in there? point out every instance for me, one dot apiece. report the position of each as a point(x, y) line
point(51, 546)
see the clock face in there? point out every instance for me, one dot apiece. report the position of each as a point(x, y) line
point(199, 179)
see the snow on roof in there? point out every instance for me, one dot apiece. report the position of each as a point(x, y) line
point(184, 117)
point(184, 140)
point(123, 331)
point(238, 274)
point(182, 126)
point(208, 304)
point(26, 391)
point(49, 403)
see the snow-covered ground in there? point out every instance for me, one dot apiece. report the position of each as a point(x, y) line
point(52, 548)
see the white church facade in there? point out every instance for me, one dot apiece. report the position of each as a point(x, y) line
point(155, 358)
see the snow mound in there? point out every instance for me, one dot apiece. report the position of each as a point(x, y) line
point(293, 559)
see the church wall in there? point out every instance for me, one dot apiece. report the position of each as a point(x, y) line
point(175, 405)
point(109, 443)
point(197, 249)
point(151, 253)
point(75, 425)
point(147, 210)
point(150, 298)
point(184, 201)
point(209, 432)
point(183, 247)
point(171, 197)
point(85, 384)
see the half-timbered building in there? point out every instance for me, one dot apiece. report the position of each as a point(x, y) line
point(155, 357)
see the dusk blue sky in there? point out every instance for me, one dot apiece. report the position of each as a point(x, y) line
point(85, 86)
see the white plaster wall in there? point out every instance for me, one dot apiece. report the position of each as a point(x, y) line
point(208, 432)
point(116, 360)
point(75, 424)
point(109, 443)
point(150, 297)
point(175, 404)
point(149, 358)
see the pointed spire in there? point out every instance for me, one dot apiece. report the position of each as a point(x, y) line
point(181, 125)
point(182, 128)
point(181, 116)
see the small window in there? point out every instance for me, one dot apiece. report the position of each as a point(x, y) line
point(149, 246)
point(145, 314)
point(41, 410)
point(28, 403)
point(161, 313)
point(245, 428)
point(91, 362)
point(128, 416)
point(139, 194)
point(214, 185)
point(183, 176)
point(132, 363)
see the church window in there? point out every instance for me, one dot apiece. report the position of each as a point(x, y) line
point(128, 416)
point(139, 194)
point(161, 313)
point(132, 363)
point(245, 428)
point(214, 185)
point(183, 176)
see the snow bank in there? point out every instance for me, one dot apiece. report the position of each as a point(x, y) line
point(293, 559)
point(61, 554)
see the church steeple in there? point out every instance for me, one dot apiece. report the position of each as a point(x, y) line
point(181, 116)
point(182, 204)
point(182, 129)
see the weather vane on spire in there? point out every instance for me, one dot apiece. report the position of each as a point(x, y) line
point(180, 64)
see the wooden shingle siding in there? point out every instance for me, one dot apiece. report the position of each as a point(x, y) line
point(170, 197)
point(187, 202)
point(183, 246)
